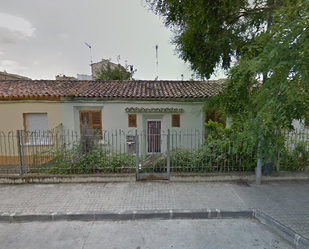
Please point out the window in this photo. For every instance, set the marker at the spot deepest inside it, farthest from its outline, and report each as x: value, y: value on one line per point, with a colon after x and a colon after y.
x: 92, y: 118
x: 36, y: 127
x: 132, y: 120
x: 214, y: 116
x: 175, y: 120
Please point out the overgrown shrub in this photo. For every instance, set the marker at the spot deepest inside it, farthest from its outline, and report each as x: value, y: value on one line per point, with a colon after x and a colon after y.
x: 89, y: 138
x: 296, y: 158
x: 72, y: 160
x: 222, y: 150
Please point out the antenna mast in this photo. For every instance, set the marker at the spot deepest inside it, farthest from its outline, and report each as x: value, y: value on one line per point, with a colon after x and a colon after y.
x: 157, y: 63
x: 90, y: 52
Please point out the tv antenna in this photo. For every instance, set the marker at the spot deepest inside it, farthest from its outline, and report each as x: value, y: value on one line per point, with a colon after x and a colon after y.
x: 157, y: 60
x: 90, y: 52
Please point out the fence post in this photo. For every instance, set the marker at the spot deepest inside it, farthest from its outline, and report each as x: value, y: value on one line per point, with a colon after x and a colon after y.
x: 258, y: 169
x: 137, y: 153
x: 278, y: 153
x: 168, y: 154
x: 18, y: 134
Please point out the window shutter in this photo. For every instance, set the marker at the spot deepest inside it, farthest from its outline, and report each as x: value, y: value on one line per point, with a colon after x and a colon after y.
x: 220, y: 119
x: 132, y: 120
x: 214, y: 116
x: 37, y: 127
x: 36, y: 122
x: 175, y: 120
x: 210, y: 115
x: 84, y: 117
x: 92, y: 118
x: 96, y: 121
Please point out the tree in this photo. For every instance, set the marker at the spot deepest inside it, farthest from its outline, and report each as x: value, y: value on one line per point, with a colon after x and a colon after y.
x: 111, y: 71
x: 208, y: 33
x: 267, y: 87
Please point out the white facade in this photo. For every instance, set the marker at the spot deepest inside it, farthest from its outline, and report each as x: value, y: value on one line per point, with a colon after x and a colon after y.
x: 115, y: 121
x: 114, y: 115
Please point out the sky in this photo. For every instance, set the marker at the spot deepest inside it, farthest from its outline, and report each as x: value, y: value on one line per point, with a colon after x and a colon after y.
x: 40, y: 39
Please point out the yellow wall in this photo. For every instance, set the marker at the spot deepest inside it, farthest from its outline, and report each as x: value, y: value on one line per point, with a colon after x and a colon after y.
x: 31, y: 160
x: 11, y: 113
x: 11, y: 119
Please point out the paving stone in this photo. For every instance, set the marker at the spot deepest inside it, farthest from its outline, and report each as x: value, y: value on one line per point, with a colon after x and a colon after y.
x: 285, y: 201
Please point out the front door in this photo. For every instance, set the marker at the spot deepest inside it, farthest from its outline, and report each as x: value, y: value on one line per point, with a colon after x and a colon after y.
x: 155, y: 165
x: 154, y: 135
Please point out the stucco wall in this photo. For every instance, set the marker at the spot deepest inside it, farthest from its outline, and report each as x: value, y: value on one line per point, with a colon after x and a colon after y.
x: 114, y: 115
x: 11, y: 113
x: 115, y: 118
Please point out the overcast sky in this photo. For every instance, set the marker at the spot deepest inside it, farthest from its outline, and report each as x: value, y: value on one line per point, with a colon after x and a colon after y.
x: 42, y: 38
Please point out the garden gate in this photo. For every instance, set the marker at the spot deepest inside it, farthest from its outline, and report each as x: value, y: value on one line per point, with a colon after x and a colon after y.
x: 153, y: 150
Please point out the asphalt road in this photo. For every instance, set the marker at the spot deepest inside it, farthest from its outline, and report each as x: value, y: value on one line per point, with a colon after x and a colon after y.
x: 142, y: 234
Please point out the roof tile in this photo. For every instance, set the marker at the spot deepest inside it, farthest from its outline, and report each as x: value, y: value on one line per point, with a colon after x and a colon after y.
x: 109, y: 89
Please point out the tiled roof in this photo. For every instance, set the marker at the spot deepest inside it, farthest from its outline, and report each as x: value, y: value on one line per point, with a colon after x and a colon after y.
x: 108, y: 89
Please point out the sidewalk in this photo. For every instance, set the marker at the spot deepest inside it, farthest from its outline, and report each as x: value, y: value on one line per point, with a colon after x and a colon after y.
x: 285, y: 202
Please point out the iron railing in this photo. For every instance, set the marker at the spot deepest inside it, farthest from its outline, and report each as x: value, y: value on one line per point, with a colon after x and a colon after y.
x: 60, y: 151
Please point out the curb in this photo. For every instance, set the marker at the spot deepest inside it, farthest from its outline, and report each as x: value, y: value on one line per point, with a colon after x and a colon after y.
x: 131, y: 177
x: 54, y: 179
x: 282, y: 230
x: 277, y: 227
x: 129, y: 215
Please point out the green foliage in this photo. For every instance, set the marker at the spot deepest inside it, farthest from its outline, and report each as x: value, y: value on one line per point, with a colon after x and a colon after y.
x: 223, y: 150
x: 208, y: 33
x: 98, y: 160
x: 294, y: 155
x: 215, y: 130
x: 268, y: 85
x: 113, y: 72
x: 231, y: 150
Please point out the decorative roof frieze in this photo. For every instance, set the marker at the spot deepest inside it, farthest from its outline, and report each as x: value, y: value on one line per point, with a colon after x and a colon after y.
x: 153, y: 110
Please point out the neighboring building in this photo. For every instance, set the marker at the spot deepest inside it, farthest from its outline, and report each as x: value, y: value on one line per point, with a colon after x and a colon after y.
x: 84, y: 77
x: 9, y: 76
x: 127, y: 106
x: 98, y: 65
x: 63, y: 77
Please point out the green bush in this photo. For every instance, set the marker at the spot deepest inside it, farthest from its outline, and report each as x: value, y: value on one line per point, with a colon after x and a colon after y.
x: 294, y: 158
x: 222, y: 150
x: 98, y: 160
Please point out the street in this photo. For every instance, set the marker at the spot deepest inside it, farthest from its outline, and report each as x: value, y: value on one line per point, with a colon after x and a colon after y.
x: 215, y: 233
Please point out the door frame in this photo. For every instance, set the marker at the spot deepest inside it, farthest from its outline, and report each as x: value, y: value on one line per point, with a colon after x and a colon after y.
x: 153, y: 175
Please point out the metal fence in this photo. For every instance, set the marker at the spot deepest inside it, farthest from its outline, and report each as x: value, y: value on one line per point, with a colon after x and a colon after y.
x: 60, y: 151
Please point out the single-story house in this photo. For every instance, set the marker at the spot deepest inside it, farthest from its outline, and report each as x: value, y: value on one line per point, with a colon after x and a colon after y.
x: 125, y: 105
x: 129, y: 106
